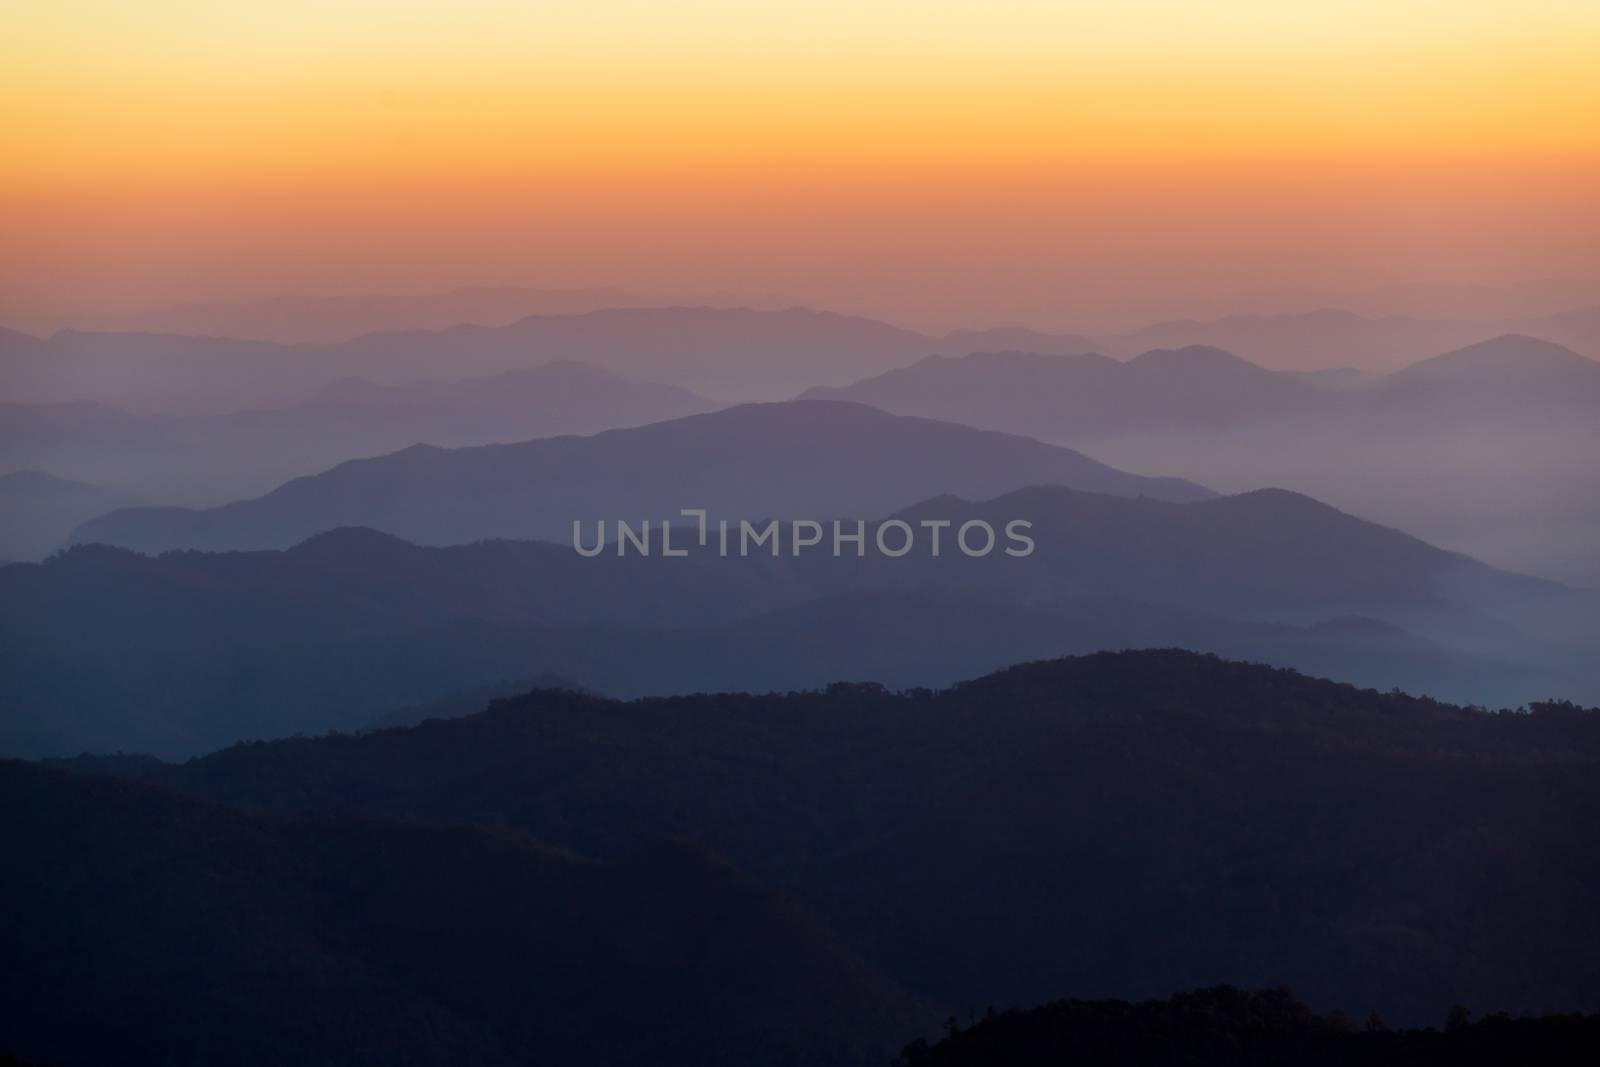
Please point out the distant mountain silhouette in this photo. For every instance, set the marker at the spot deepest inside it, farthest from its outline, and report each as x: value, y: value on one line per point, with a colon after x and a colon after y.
x: 160, y: 373
x: 560, y: 395
x: 190, y: 932
x: 1114, y: 825
x: 182, y: 653
x: 726, y: 353
x: 1512, y: 361
x: 39, y: 511
x: 1541, y: 297
x: 210, y: 459
x: 1578, y: 328
x: 1487, y: 449
x: 1075, y: 396
x: 15, y: 341
x: 295, y: 318
x: 810, y: 459
x: 1265, y: 550
x: 1331, y: 337
x: 723, y: 353
x: 290, y: 319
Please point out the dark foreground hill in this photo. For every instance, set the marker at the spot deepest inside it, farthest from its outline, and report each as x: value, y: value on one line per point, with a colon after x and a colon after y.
x: 1237, y: 1028
x: 141, y: 927
x: 1115, y: 825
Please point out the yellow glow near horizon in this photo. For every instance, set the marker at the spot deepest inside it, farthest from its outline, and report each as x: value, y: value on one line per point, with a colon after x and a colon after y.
x: 173, y: 148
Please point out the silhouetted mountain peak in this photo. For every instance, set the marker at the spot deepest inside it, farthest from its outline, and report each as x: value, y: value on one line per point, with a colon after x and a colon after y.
x: 1284, y: 506
x: 1286, y: 500
x: 1509, y: 357
x: 351, y: 543
x: 422, y: 448
x: 818, y: 416
x: 1206, y: 358
x: 797, y: 411
x: 962, y: 372
x: 792, y: 459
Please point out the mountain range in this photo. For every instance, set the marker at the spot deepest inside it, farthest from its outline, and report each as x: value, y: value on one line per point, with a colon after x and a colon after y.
x: 1113, y: 825
x: 1484, y: 449
x: 300, y: 318
x: 728, y: 354
x: 1489, y: 449
x: 1330, y: 337
x: 1060, y: 396
x: 808, y: 459
x: 723, y: 353
x: 1085, y: 397
x: 211, y: 459
x: 182, y: 653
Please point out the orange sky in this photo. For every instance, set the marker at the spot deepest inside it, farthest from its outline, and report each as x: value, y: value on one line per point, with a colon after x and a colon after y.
x: 932, y: 161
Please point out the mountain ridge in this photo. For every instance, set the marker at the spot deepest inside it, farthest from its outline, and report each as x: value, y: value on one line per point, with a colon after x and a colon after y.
x: 352, y: 623
x: 206, y: 460
x: 802, y: 459
x: 1166, y: 774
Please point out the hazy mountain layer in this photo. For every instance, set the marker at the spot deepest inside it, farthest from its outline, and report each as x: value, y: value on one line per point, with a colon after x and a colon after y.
x: 39, y: 511
x: 189, y: 651
x: 727, y: 353
x: 1490, y: 449
x: 205, y: 460
x: 724, y: 353
x: 1329, y: 337
x: 1083, y: 397
x: 815, y: 460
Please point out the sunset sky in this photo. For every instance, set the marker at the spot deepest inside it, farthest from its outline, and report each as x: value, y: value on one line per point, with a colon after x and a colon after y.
x: 934, y: 162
